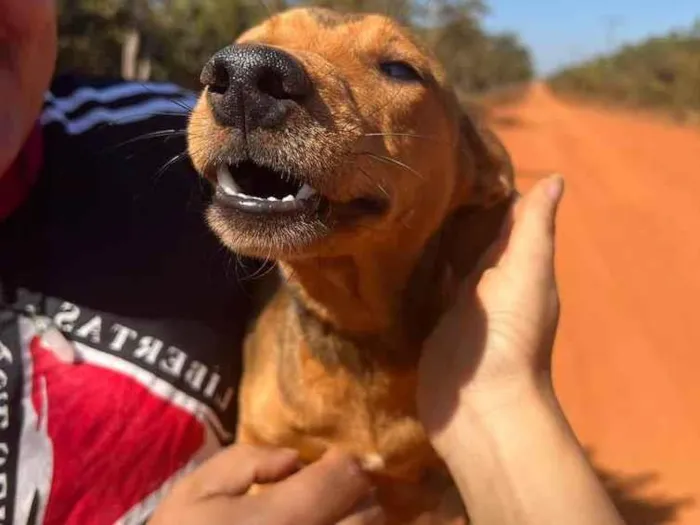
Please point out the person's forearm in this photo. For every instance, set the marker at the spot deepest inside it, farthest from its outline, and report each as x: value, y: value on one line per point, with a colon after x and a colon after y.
x: 521, y: 464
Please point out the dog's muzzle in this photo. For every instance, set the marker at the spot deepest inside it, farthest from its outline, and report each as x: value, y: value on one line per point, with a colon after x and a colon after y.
x: 251, y: 86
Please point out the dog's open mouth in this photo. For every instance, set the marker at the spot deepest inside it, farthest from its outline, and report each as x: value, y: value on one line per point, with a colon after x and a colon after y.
x: 252, y: 188
x: 258, y: 210
x: 258, y: 189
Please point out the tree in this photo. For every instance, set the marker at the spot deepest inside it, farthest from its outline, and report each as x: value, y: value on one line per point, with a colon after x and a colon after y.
x: 191, y: 30
x: 90, y: 36
x: 136, y: 57
x: 475, y: 61
x: 173, y: 39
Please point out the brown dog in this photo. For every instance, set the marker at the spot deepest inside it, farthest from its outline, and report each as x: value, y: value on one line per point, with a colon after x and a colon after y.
x: 338, y: 150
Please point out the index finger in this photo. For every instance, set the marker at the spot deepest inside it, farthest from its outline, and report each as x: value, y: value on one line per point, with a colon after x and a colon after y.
x: 321, y: 494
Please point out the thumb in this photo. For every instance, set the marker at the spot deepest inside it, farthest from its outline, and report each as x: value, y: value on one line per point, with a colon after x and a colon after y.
x: 321, y: 494
x: 531, y: 244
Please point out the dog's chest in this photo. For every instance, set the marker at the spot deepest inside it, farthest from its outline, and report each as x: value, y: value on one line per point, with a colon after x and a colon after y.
x: 307, y: 388
x: 312, y: 399
x: 315, y: 413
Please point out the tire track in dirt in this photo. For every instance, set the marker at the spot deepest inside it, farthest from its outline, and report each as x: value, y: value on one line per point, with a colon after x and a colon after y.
x: 627, y: 361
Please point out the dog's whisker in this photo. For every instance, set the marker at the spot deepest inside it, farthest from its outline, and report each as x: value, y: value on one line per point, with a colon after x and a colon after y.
x: 378, y: 108
x: 268, y: 265
x: 372, y: 181
x: 241, y: 267
x: 372, y: 112
x: 177, y: 158
x: 239, y: 263
x: 181, y: 103
x: 231, y: 263
x: 165, y: 114
x: 391, y: 160
x: 271, y: 268
x: 119, y: 122
x: 167, y: 133
x: 409, y: 135
x: 416, y: 136
x: 175, y: 100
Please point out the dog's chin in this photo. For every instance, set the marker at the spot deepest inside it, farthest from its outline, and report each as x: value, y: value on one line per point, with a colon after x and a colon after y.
x: 260, y: 212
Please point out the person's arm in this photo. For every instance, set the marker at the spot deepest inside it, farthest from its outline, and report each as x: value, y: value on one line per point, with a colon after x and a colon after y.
x: 521, y: 464
x: 492, y: 414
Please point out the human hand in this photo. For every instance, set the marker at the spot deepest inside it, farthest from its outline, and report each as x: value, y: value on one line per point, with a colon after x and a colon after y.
x: 496, y: 342
x: 324, y: 493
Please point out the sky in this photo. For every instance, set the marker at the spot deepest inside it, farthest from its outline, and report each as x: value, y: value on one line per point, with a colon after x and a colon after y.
x: 563, y: 31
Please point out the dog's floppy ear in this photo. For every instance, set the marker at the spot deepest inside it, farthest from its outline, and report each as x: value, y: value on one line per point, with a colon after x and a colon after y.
x: 485, y: 162
x: 479, y: 215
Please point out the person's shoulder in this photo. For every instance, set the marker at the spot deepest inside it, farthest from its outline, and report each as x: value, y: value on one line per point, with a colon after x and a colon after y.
x: 120, y: 148
x: 78, y: 105
x: 114, y: 128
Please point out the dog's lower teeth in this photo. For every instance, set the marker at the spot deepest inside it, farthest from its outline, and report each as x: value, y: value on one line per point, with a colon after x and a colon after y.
x: 228, y: 185
x: 305, y: 192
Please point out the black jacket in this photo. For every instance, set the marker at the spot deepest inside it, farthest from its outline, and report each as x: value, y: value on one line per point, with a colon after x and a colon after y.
x: 111, y: 248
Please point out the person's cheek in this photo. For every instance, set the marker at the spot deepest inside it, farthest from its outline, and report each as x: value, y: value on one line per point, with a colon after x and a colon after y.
x: 38, y: 45
x: 19, y: 18
x: 28, y: 32
x: 27, y: 57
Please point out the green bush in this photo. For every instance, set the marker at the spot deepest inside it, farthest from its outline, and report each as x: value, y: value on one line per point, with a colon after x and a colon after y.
x: 661, y: 72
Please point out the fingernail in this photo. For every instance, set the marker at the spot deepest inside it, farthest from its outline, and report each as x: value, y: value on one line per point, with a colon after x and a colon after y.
x: 555, y: 187
x: 372, y: 463
x: 352, y: 464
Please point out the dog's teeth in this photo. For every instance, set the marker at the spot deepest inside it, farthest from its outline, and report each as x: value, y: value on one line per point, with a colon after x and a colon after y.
x: 305, y: 192
x: 288, y: 198
x: 225, y: 180
x: 273, y: 199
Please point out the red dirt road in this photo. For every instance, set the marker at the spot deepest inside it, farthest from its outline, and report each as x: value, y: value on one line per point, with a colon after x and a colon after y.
x: 627, y: 361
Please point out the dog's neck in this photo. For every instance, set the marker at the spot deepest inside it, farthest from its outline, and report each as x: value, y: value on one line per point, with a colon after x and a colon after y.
x: 356, y: 294
x: 383, y: 302
x: 390, y: 297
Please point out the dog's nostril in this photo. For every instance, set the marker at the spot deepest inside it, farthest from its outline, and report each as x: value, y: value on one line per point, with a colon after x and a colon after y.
x: 271, y: 83
x: 215, y: 76
x: 221, y: 83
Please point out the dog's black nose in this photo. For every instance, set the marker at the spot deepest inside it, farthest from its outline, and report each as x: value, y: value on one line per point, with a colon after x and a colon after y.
x: 254, y: 86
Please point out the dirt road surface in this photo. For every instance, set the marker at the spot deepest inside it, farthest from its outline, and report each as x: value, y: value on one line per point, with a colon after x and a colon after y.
x: 627, y: 362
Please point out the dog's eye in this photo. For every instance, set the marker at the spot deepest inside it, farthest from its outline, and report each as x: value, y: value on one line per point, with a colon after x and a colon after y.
x: 400, y: 71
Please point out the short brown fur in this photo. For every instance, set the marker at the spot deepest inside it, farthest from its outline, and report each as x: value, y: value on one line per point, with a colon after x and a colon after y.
x: 332, y: 359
